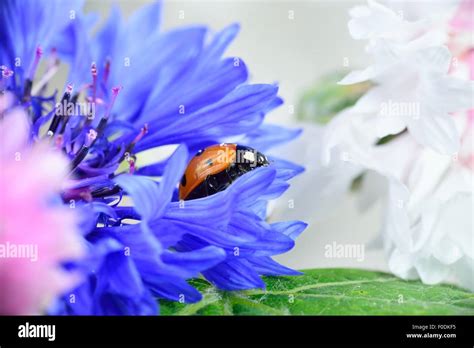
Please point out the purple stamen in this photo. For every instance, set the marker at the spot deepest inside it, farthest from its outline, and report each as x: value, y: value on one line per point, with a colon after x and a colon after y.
x: 6, y: 73
x: 94, y: 81
x: 131, y: 163
x: 106, y: 70
x: 140, y: 135
x: 34, y: 65
x: 115, y: 92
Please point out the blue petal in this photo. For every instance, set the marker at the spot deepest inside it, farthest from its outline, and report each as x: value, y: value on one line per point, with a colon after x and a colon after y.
x: 235, y: 274
x: 260, y: 208
x: 195, y: 261
x: 285, y: 169
x: 149, y: 199
x: 143, y: 23
x: 127, y: 283
x: 254, y: 182
x: 106, y: 38
x: 113, y: 288
x: 144, y: 193
x: 237, y: 113
x: 269, y: 135
x: 28, y: 23
x: 275, y: 190
x: 260, y: 239
x: 73, y: 46
x: 269, y: 267
x: 192, y: 95
x: 151, y: 70
x: 196, y: 82
x: 219, y: 44
x: 120, y: 289
x: 175, y: 290
x: 291, y: 229
x: 172, y: 174
x: 208, y: 218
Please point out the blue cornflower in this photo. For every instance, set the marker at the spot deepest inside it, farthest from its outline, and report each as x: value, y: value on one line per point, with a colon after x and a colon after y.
x: 177, y: 90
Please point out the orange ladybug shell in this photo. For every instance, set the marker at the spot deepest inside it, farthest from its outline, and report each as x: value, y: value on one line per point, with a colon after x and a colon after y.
x: 212, y: 160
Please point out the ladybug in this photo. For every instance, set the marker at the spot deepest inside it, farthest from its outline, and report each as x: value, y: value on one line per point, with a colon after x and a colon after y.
x: 214, y: 168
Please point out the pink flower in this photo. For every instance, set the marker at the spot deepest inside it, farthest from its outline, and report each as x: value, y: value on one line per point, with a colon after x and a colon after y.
x: 463, y: 19
x: 36, y: 233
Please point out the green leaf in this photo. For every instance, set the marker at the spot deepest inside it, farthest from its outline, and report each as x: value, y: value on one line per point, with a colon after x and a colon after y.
x: 327, y: 98
x: 330, y: 292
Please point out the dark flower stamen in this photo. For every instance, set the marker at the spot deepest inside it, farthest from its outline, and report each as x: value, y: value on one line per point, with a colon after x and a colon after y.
x: 82, y: 153
x: 59, y: 111
x: 66, y: 118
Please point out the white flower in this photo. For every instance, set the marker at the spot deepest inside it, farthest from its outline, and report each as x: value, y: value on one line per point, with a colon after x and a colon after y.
x: 428, y: 230
x: 411, y: 68
x: 391, y: 38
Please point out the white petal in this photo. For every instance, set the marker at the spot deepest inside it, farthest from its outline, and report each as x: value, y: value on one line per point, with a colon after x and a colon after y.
x: 463, y: 272
x: 437, y: 132
x: 374, y: 21
x: 371, y: 101
x: 336, y: 131
x: 455, y: 221
x: 448, y: 94
x: 426, y: 173
x: 357, y: 76
x: 431, y: 271
x: 447, y: 252
x: 390, y: 125
x: 398, y: 221
x: 14, y: 130
x: 401, y: 265
x: 435, y: 59
x: 374, y: 187
x: 430, y: 39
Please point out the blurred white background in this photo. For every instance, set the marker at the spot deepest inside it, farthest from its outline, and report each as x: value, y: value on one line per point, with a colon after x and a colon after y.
x: 292, y: 43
